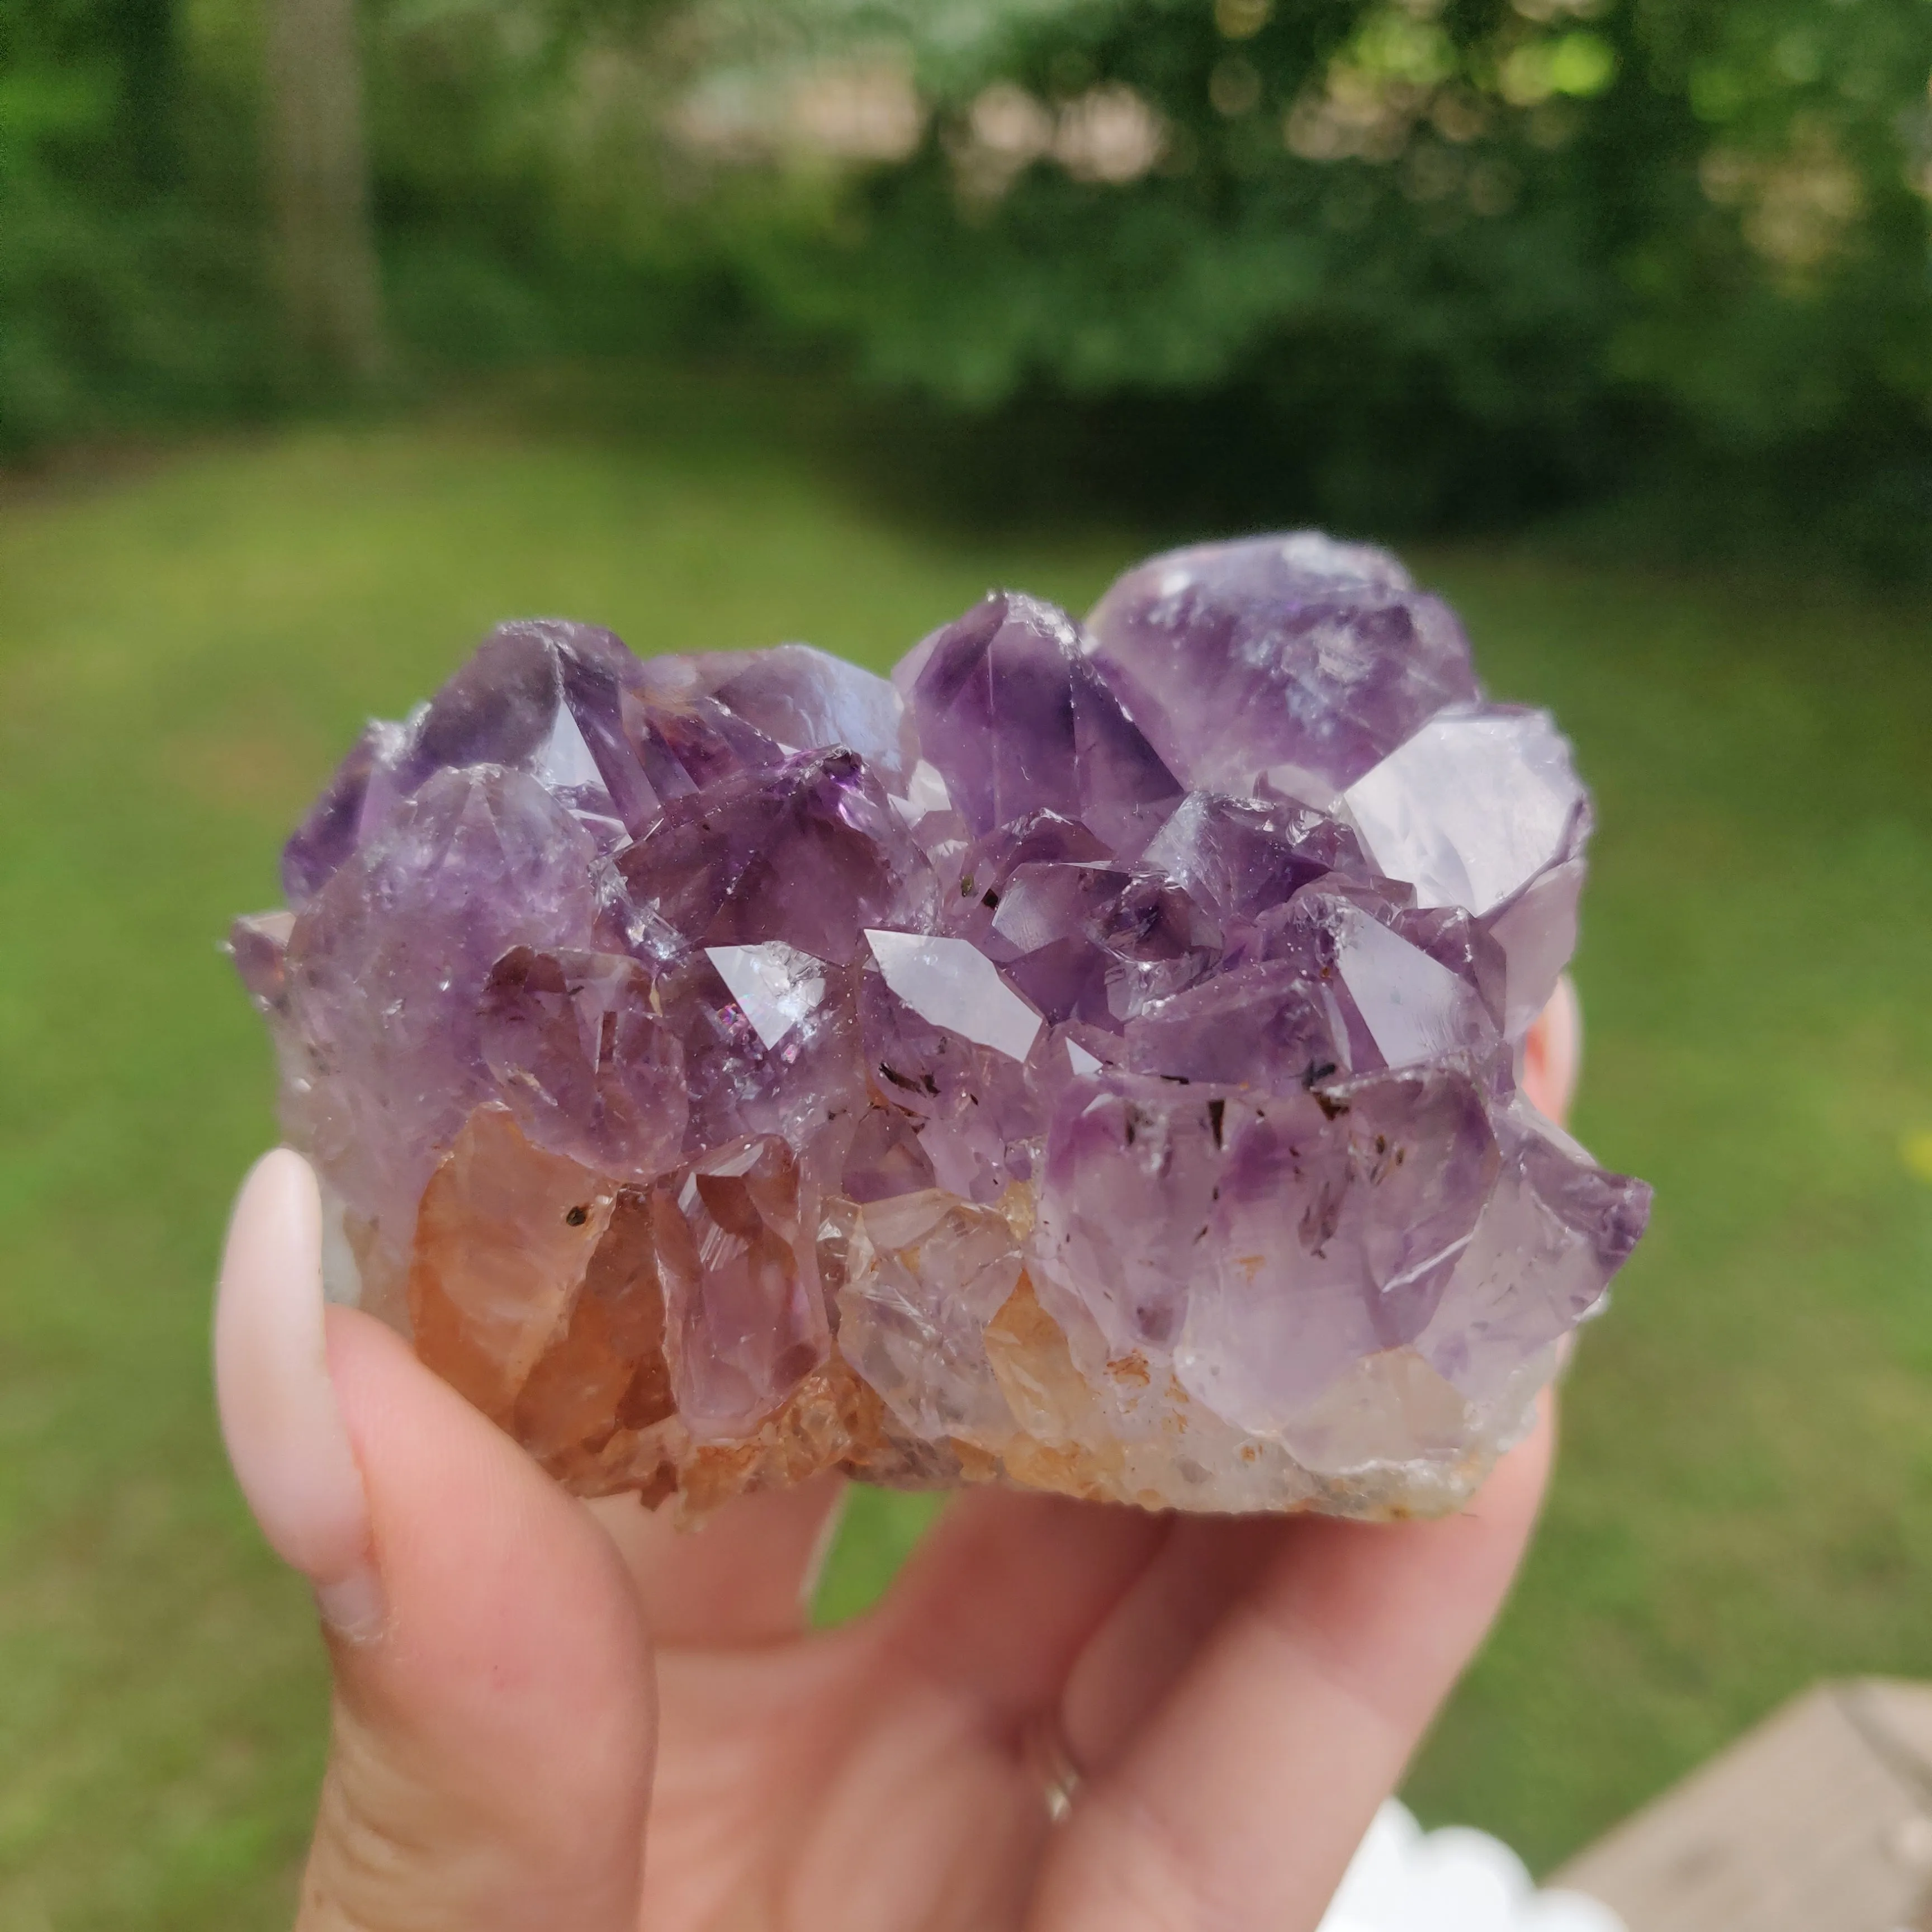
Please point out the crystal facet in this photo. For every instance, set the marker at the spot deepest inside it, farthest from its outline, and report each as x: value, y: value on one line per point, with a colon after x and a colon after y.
x: 951, y: 983
x: 1471, y: 808
x: 1086, y: 1061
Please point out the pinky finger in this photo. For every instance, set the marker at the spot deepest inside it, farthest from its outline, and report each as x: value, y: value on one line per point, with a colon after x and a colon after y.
x: 1241, y: 1799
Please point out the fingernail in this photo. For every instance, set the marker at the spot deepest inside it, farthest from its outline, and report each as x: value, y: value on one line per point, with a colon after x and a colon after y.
x: 279, y: 1416
x: 353, y: 1607
x: 822, y: 1547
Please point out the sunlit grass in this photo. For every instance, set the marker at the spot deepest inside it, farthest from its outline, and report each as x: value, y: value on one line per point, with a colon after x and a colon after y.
x: 1747, y: 1497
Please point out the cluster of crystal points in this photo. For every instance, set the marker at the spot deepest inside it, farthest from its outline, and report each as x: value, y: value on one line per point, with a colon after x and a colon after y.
x: 1087, y: 1060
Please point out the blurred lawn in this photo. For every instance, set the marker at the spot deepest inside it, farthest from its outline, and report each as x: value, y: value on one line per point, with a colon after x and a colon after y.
x: 1746, y: 1502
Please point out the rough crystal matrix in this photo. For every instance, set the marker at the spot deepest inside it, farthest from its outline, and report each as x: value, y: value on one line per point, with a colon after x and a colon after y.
x: 1087, y: 1060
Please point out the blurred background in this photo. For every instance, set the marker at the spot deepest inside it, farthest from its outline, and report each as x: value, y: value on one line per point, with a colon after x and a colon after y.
x: 330, y: 333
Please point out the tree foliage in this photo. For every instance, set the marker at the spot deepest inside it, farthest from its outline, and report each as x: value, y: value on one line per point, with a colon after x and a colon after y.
x: 1460, y: 253
x: 1401, y: 262
x: 124, y: 223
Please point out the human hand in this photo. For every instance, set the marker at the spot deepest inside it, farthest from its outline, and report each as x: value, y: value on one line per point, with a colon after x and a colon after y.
x: 524, y: 1682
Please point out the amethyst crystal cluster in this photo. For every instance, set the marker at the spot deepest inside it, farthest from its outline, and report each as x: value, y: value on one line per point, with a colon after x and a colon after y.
x: 1087, y: 1060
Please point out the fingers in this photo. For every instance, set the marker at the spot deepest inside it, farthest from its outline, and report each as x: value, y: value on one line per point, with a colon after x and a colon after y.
x: 1007, y: 1592
x: 1552, y: 1054
x: 493, y: 1723
x: 1245, y: 1741
x: 746, y: 1576
x: 1139, y: 1653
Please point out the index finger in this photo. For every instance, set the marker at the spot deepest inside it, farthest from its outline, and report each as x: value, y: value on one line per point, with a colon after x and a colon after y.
x: 744, y: 1576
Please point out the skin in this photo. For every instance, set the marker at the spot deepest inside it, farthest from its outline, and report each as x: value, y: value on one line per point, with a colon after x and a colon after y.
x: 552, y: 1714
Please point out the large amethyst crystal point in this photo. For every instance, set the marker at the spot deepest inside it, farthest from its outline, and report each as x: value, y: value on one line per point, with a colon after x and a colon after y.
x: 1016, y: 720
x: 1087, y: 1060
x: 1294, y: 662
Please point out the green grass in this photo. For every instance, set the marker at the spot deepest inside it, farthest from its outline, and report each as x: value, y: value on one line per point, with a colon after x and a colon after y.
x: 1746, y: 1498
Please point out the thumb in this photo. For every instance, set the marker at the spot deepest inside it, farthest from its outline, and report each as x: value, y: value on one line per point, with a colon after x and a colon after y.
x: 494, y: 1721
x: 1552, y: 1054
